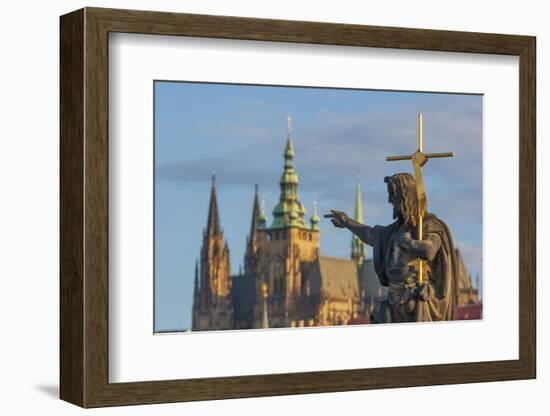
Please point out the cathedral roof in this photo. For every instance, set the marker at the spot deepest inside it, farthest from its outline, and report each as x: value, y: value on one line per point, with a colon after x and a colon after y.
x: 368, y: 278
x: 464, y: 281
x: 332, y: 277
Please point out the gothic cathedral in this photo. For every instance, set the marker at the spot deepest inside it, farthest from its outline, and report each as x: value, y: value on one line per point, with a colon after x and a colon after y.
x: 285, y: 281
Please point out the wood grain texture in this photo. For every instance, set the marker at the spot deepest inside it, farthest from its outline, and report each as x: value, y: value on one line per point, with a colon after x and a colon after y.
x: 72, y: 215
x: 84, y: 206
x: 527, y: 207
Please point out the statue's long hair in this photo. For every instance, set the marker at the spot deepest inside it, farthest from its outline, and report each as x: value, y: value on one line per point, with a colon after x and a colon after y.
x: 402, y: 190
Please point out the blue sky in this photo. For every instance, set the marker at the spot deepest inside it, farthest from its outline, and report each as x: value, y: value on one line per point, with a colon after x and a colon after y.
x: 239, y: 131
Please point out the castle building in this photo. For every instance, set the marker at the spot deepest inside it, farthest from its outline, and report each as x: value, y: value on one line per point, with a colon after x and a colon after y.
x: 286, y: 282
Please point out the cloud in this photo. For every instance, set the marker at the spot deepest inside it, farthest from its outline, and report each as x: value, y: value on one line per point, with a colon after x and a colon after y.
x: 245, y: 146
x: 231, y: 172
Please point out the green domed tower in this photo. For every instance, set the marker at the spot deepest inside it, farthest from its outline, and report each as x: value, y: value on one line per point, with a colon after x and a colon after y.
x: 285, y: 249
x: 289, y: 212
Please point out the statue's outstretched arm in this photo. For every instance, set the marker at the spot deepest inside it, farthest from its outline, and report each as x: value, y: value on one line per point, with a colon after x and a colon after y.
x: 364, y: 232
x: 341, y: 220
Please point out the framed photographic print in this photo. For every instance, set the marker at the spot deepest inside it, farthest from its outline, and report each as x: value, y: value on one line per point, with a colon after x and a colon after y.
x: 255, y: 207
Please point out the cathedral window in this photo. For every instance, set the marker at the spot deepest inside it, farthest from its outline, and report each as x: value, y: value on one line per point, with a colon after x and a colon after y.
x: 276, y: 285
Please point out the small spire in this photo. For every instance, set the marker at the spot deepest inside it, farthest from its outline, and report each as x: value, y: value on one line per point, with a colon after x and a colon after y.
x: 357, y: 246
x: 289, y: 149
x: 314, y: 217
x: 255, y: 215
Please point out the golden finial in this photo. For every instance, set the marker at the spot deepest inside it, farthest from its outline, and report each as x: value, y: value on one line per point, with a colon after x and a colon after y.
x: 265, y: 290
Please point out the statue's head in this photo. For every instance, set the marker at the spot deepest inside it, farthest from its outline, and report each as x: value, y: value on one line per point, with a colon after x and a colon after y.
x: 402, y: 195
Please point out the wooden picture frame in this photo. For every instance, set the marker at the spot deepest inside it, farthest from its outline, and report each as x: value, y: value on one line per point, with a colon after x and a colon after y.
x: 84, y: 207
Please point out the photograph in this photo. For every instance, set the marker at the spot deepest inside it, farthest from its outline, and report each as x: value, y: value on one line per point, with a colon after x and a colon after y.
x: 256, y: 204
x: 293, y: 207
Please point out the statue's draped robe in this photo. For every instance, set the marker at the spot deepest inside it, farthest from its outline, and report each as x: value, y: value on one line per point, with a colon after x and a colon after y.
x: 441, y: 304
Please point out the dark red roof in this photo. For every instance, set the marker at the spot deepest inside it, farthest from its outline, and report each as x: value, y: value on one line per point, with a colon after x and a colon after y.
x: 359, y: 321
x: 471, y: 311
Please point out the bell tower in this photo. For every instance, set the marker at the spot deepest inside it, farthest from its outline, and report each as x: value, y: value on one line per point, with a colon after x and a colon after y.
x: 284, y: 249
x: 212, y: 307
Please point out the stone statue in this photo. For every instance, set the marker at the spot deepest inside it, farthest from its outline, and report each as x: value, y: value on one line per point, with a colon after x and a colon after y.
x: 413, y: 296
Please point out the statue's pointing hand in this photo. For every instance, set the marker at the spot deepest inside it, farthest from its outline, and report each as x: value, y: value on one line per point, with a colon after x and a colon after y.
x: 338, y: 218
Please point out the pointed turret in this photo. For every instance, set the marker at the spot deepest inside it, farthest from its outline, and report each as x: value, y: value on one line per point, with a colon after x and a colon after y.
x: 314, y: 217
x: 255, y: 216
x: 213, y: 223
x: 289, y: 212
x: 357, y: 246
x: 250, y: 257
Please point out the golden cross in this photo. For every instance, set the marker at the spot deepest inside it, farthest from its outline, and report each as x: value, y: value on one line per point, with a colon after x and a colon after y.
x: 419, y: 159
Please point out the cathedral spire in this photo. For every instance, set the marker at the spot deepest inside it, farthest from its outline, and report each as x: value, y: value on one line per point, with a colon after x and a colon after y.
x: 357, y: 246
x: 213, y: 306
x: 250, y: 257
x: 289, y: 212
x: 213, y: 224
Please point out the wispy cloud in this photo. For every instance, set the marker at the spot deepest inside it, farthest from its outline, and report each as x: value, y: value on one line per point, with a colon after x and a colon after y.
x: 337, y: 145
